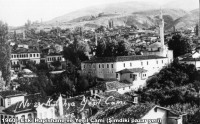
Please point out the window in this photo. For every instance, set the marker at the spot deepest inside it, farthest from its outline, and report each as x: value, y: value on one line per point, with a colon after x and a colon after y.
x: 33, y: 55
x: 147, y: 62
x: 30, y: 116
x: 141, y: 63
x: 112, y: 65
x: 102, y: 65
x: 162, y: 61
x: 83, y: 66
x: 124, y: 65
x: 130, y: 64
x: 99, y: 66
x: 1, y: 119
x: 9, y: 101
x: 116, y: 75
x: 1, y: 101
x: 107, y: 65
x: 23, y: 117
x: 30, y: 55
x: 37, y: 55
x: 157, y: 62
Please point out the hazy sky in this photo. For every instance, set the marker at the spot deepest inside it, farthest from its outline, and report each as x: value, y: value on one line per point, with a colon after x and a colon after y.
x: 17, y: 12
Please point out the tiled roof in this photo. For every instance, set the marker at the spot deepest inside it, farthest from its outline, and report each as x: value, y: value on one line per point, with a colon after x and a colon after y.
x: 190, y: 59
x: 133, y: 70
x: 11, y: 93
x: 112, y: 85
x: 122, y: 58
x: 116, y: 85
x: 23, y: 50
x: 127, y: 110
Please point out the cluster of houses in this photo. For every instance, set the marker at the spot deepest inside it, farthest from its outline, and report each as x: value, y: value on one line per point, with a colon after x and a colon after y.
x: 115, y: 77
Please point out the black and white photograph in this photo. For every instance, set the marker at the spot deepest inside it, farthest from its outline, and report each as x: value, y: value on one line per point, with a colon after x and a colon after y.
x: 99, y: 61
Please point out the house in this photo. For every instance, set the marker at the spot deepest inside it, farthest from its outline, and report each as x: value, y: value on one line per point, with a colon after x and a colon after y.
x: 191, y: 58
x: 21, y: 56
x: 52, y: 57
x: 22, y: 106
x: 142, y: 113
x: 193, y: 61
x: 136, y: 76
x: 9, y: 97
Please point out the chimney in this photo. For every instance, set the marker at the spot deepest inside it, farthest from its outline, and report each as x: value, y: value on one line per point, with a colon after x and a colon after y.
x: 60, y: 104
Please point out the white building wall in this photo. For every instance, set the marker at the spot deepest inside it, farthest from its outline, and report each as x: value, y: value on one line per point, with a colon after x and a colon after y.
x: 13, y: 100
x: 151, y: 65
x: 15, y: 58
x: 43, y: 112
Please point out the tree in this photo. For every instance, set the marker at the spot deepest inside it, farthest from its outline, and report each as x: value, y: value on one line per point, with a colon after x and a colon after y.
x: 101, y: 46
x: 5, y: 53
x: 123, y: 48
x: 180, y: 45
x: 76, y: 52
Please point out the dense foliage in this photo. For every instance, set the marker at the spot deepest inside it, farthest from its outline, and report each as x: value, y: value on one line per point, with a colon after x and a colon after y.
x: 108, y: 47
x: 180, y: 45
x: 173, y: 84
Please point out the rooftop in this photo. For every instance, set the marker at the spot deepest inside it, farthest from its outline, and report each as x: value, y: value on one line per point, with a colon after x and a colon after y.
x: 123, y: 58
x: 133, y: 70
x: 11, y: 93
x: 190, y: 59
x: 111, y: 85
x: 23, y: 50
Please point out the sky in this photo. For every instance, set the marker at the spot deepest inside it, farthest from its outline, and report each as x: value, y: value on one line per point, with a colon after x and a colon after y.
x: 17, y: 12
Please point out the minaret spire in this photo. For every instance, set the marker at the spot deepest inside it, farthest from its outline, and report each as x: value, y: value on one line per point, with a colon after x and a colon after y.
x: 199, y: 23
x: 161, y: 25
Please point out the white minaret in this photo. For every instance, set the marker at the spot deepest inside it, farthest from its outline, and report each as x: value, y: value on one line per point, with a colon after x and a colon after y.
x: 199, y: 23
x: 60, y: 104
x: 96, y: 43
x: 161, y: 26
x: 24, y: 34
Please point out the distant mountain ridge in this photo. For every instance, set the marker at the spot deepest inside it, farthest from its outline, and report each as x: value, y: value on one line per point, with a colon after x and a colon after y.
x: 188, y: 20
x: 140, y: 14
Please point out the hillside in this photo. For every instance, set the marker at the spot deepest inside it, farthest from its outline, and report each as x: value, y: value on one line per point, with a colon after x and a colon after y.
x: 187, y: 21
x: 117, y: 8
x: 141, y: 19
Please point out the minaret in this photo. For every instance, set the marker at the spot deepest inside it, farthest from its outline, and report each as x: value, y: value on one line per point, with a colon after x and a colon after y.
x: 161, y: 26
x: 60, y: 104
x: 96, y: 43
x: 199, y: 24
x: 24, y: 34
